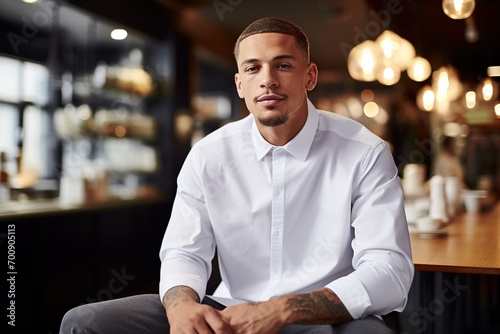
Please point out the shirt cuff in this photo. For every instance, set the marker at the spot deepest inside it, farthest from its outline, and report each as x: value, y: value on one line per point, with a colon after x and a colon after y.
x: 193, y: 281
x: 353, y: 295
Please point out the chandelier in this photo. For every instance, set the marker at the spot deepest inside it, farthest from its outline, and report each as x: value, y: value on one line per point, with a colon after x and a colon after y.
x: 384, y: 60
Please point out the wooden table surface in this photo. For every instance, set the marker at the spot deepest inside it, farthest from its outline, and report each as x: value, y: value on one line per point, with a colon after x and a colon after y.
x: 471, y: 245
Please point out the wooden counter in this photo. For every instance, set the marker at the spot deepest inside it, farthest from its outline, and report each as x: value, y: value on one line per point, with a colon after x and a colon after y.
x: 470, y: 246
x: 50, y: 207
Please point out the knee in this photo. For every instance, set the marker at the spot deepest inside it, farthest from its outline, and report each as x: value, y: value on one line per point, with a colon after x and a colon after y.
x: 76, y: 320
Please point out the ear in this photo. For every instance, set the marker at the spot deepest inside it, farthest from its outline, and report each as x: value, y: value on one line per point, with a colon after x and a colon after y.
x: 312, y: 76
x: 237, y: 82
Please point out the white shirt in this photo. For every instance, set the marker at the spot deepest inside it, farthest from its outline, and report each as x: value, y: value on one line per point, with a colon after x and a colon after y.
x: 324, y: 210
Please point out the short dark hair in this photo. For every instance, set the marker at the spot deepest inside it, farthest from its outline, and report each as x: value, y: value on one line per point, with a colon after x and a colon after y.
x: 275, y: 25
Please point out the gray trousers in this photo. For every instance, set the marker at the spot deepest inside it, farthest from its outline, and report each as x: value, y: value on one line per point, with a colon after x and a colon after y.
x: 143, y: 314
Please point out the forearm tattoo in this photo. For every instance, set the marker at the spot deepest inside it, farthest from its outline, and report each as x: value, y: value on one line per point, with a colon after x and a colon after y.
x: 178, y: 295
x: 319, y: 307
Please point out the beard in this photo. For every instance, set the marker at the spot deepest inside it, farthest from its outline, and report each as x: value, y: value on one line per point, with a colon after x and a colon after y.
x: 273, y: 121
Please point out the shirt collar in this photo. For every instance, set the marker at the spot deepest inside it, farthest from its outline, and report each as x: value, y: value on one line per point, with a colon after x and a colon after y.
x: 299, y: 146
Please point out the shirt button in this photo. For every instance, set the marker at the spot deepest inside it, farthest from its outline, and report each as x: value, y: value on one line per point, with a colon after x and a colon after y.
x: 276, y: 192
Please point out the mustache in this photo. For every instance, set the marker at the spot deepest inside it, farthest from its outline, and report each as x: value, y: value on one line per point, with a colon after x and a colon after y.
x: 270, y: 94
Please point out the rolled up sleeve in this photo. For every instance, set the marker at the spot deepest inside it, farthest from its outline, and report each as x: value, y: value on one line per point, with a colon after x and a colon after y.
x: 188, y: 245
x: 381, y: 244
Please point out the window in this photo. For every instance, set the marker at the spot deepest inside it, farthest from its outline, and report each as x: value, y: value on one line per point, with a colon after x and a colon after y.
x: 9, y: 84
x: 24, y: 122
x: 9, y: 134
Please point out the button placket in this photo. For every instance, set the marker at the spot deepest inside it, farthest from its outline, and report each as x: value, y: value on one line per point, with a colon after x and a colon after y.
x: 277, y: 218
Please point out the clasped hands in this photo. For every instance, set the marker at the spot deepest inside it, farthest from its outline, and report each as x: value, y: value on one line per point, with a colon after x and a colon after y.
x: 192, y: 317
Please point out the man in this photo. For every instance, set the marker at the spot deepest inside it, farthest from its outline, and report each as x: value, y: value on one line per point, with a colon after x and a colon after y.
x: 304, y: 207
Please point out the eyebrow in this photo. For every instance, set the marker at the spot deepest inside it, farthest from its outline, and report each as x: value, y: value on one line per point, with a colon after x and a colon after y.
x: 280, y: 57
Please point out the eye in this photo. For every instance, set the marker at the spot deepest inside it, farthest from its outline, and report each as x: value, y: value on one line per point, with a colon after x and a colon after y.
x: 284, y: 66
x: 251, y: 69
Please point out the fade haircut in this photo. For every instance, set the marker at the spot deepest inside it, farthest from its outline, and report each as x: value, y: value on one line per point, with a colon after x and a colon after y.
x: 275, y: 25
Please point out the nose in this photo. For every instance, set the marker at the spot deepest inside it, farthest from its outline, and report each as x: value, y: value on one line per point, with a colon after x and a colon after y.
x: 268, y: 79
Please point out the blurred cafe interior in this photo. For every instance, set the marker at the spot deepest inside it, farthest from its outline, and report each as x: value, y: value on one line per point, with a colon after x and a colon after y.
x: 100, y: 101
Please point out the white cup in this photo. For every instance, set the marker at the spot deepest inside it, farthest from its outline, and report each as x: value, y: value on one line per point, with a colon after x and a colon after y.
x: 472, y: 200
x: 428, y: 224
x: 471, y: 203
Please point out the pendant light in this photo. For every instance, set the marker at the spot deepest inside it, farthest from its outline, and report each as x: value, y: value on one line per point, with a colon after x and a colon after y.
x: 388, y: 74
x: 426, y: 98
x: 497, y: 110
x: 389, y: 42
x: 383, y: 59
x: 419, y: 69
x: 446, y: 83
x: 397, y: 50
x: 487, y: 90
x: 459, y: 9
x: 470, y: 99
x: 362, y: 61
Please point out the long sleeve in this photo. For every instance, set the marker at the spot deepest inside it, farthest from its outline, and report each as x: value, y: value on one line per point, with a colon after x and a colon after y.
x: 188, y: 245
x: 382, y: 253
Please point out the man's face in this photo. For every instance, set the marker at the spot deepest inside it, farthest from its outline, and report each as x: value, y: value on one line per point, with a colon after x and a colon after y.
x: 273, y: 77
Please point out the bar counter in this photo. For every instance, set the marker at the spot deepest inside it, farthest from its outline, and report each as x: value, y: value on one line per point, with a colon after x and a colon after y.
x: 13, y: 210
x: 471, y: 245
x: 457, y: 277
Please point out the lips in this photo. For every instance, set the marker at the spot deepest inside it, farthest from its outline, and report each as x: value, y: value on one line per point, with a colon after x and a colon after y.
x: 270, y: 100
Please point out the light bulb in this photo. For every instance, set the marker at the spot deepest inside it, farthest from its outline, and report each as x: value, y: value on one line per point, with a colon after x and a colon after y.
x: 458, y: 9
x: 419, y: 69
x: 470, y: 99
x: 396, y: 49
x: 446, y: 84
x: 119, y: 34
x: 371, y: 109
x: 362, y: 61
x: 388, y: 74
x: 426, y: 98
x: 389, y: 42
x: 487, y: 89
x: 497, y: 110
x: 441, y: 83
